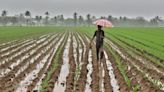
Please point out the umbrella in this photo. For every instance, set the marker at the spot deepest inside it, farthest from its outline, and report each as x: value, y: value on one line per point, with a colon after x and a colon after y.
x: 104, y: 23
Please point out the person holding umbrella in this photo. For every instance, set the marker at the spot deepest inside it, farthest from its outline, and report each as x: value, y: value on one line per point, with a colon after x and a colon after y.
x: 99, y: 34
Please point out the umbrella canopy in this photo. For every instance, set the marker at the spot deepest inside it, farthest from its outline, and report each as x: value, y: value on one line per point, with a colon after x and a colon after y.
x: 104, y: 23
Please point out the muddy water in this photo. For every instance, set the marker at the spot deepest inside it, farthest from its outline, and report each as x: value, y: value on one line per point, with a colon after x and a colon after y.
x: 78, y: 65
x: 3, y: 72
x: 38, y: 85
x: 90, y: 70
x: 80, y: 55
x: 113, y: 80
x: 17, y: 62
x: 101, y: 76
x: 159, y: 83
x: 60, y: 85
x: 23, y: 84
x: 32, y: 75
x: 6, y: 48
x: 24, y: 43
x: 83, y: 44
x: 12, y: 56
x: 147, y: 64
x: 19, y: 53
x: 74, y: 50
x: 8, y: 43
x: 11, y: 51
x: 81, y: 50
x: 27, y: 64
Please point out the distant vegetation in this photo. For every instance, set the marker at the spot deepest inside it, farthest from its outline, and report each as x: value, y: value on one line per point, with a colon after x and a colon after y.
x: 26, y: 19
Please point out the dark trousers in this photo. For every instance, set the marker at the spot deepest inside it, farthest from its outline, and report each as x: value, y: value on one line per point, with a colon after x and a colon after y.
x: 98, y: 51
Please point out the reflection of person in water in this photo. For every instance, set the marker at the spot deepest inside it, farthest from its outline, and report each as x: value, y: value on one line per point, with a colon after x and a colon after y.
x: 99, y: 33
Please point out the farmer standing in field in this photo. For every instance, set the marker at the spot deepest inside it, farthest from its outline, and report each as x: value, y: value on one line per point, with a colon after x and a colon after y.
x: 99, y: 33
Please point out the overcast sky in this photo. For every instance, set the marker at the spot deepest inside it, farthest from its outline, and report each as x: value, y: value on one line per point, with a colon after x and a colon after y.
x: 131, y: 8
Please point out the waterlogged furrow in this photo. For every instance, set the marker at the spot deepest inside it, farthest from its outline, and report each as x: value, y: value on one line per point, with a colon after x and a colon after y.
x: 23, y: 84
x: 113, y: 80
x: 41, y: 73
x: 3, y: 45
x: 50, y: 80
x: 23, y: 65
x: 18, y: 44
x: 16, y: 49
x: 12, y: 47
x: 32, y: 75
x: 39, y: 55
x: 60, y: 85
x: 82, y: 51
x: 72, y: 69
x: 148, y: 64
x: 101, y: 76
x: 79, y: 84
x: 19, y: 53
x: 95, y: 73
x: 74, y: 50
x: 38, y: 85
x: 154, y: 81
x: 32, y: 59
x: 90, y: 70
x: 26, y: 56
x: 78, y: 60
x: 8, y: 59
x: 101, y: 72
x: 84, y: 45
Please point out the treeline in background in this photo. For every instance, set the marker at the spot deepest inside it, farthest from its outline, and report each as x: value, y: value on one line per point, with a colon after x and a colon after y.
x: 26, y: 19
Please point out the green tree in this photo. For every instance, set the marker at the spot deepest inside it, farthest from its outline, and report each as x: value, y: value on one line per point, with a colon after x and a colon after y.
x: 28, y: 17
x: 140, y: 21
x: 14, y: 20
x: 155, y: 21
x: 62, y: 18
x: 4, y: 17
x: 81, y: 20
x: 38, y: 19
x: 4, y: 13
x: 75, y: 18
x: 47, y: 17
x: 125, y: 18
x: 110, y: 18
x: 55, y: 20
x: 88, y: 19
x: 93, y: 18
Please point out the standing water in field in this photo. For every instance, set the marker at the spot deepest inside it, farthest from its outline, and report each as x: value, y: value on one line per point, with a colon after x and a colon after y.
x: 113, y: 80
x: 60, y: 85
x: 90, y: 70
x: 74, y: 49
x: 101, y: 76
x: 81, y: 49
x: 33, y: 74
x: 23, y: 84
x: 38, y: 85
x: 146, y: 75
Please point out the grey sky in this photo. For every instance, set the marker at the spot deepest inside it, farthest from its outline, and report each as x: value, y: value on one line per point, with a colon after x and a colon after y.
x: 131, y: 8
